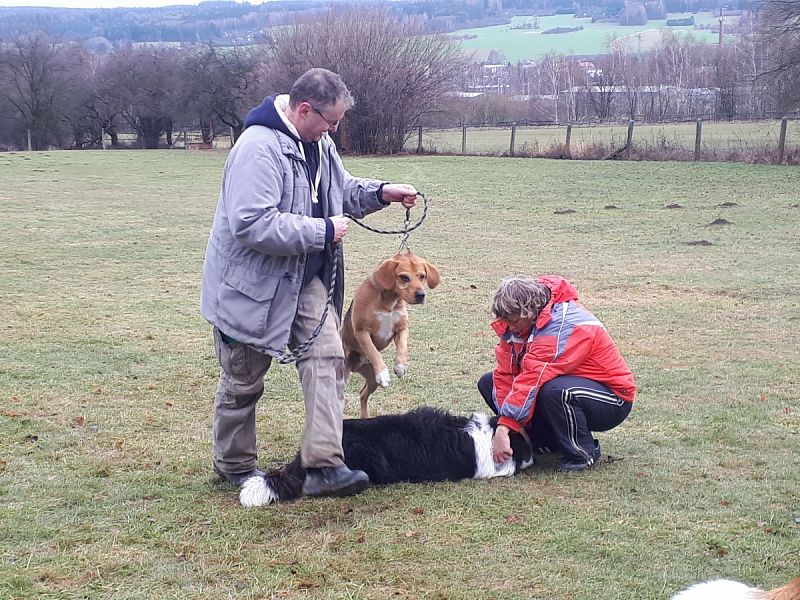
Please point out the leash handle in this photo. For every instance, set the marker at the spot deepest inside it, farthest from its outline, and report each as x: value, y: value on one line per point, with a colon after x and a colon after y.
x: 406, y: 228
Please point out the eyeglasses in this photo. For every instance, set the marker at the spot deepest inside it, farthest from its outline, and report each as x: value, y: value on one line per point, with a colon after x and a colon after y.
x: 331, y: 124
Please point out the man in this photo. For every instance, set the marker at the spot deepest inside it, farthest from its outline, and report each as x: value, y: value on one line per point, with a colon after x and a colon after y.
x: 268, y: 267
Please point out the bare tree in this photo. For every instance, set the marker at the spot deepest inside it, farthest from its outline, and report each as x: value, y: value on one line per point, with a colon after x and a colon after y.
x: 557, y: 76
x: 726, y: 81
x: 222, y: 84
x: 781, y: 36
x: 396, y: 70
x: 36, y: 80
x: 143, y: 85
x: 749, y: 60
x: 550, y: 70
x: 674, y: 66
x: 84, y: 116
x: 628, y: 65
x: 602, y: 85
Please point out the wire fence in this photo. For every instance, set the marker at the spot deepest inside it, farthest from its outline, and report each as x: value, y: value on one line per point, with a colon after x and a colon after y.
x: 775, y: 141
x: 772, y: 141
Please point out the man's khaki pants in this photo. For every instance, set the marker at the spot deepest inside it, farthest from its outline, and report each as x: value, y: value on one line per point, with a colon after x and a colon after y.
x: 241, y: 384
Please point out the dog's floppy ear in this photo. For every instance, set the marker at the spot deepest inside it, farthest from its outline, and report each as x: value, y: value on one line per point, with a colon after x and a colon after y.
x: 384, y: 274
x: 432, y: 274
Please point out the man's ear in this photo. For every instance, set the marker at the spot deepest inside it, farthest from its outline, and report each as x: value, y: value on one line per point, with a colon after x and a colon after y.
x: 384, y: 274
x: 304, y: 109
x: 431, y: 274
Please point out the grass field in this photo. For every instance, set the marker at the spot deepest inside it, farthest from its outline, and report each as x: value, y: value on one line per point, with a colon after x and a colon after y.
x: 739, y: 137
x: 530, y: 44
x: 107, y: 378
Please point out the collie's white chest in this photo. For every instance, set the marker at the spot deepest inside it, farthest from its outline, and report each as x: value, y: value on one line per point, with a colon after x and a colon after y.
x: 386, y: 322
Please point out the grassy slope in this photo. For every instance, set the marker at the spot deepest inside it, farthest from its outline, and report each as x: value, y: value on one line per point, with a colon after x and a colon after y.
x: 108, y: 375
x: 522, y: 44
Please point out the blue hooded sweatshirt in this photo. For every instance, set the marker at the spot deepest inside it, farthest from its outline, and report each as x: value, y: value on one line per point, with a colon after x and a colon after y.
x: 267, y: 115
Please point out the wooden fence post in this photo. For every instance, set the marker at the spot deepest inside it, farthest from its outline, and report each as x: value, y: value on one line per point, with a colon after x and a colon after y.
x: 513, y: 137
x: 569, y: 137
x: 30, y: 147
x: 230, y: 129
x: 698, y: 138
x: 185, y: 140
x: 629, y: 139
x: 782, y: 141
x: 419, y: 139
x: 102, y: 138
x: 463, y: 139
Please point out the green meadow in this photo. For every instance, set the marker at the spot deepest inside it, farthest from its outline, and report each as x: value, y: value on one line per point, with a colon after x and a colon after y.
x: 108, y: 374
x: 530, y: 44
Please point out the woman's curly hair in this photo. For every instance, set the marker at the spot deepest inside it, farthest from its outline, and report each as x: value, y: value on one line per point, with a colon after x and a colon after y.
x: 518, y: 297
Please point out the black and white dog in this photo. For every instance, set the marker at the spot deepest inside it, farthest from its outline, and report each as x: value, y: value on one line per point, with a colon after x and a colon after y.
x: 425, y: 444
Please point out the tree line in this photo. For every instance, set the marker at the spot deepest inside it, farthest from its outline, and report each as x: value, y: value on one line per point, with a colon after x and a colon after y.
x: 751, y: 77
x: 56, y: 94
x: 64, y: 96
x: 754, y: 73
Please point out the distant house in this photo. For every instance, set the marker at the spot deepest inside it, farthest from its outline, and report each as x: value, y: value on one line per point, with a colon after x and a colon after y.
x: 488, y: 77
x: 467, y: 95
x: 157, y: 44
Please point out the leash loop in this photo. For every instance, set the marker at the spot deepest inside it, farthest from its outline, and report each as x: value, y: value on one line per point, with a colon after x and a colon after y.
x: 407, y: 227
x: 293, y: 355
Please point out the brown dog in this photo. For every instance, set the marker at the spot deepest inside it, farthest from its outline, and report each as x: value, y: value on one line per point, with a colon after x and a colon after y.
x: 378, y: 315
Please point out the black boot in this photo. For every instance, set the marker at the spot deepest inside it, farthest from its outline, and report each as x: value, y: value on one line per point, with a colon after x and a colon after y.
x: 334, y: 481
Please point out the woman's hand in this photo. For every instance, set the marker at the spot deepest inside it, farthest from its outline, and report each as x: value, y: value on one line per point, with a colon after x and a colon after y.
x: 501, y: 445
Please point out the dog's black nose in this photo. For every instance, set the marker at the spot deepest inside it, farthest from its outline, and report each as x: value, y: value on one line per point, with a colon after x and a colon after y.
x: 420, y: 296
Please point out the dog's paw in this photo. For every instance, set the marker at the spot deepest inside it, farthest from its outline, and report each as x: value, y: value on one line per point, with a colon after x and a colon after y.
x: 400, y: 369
x: 383, y: 378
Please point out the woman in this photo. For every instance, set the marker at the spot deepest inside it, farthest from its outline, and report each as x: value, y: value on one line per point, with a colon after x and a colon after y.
x: 559, y: 374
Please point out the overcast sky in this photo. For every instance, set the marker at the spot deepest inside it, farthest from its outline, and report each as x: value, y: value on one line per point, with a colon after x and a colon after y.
x: 101, y: 3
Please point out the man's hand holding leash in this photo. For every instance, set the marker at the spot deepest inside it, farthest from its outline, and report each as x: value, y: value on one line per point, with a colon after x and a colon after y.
x: 404, y: 193
x: 400, y: 192
x: 340, y: 225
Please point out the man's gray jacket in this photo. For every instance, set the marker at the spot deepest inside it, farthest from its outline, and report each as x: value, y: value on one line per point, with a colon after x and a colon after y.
x: 263, y: 229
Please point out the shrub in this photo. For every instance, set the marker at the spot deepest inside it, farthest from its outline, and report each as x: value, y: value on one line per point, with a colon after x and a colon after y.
x: 563, y: 29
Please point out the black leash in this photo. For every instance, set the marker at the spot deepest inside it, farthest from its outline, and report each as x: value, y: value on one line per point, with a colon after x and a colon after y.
x: 407, y: 227
x: 290, y: 356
